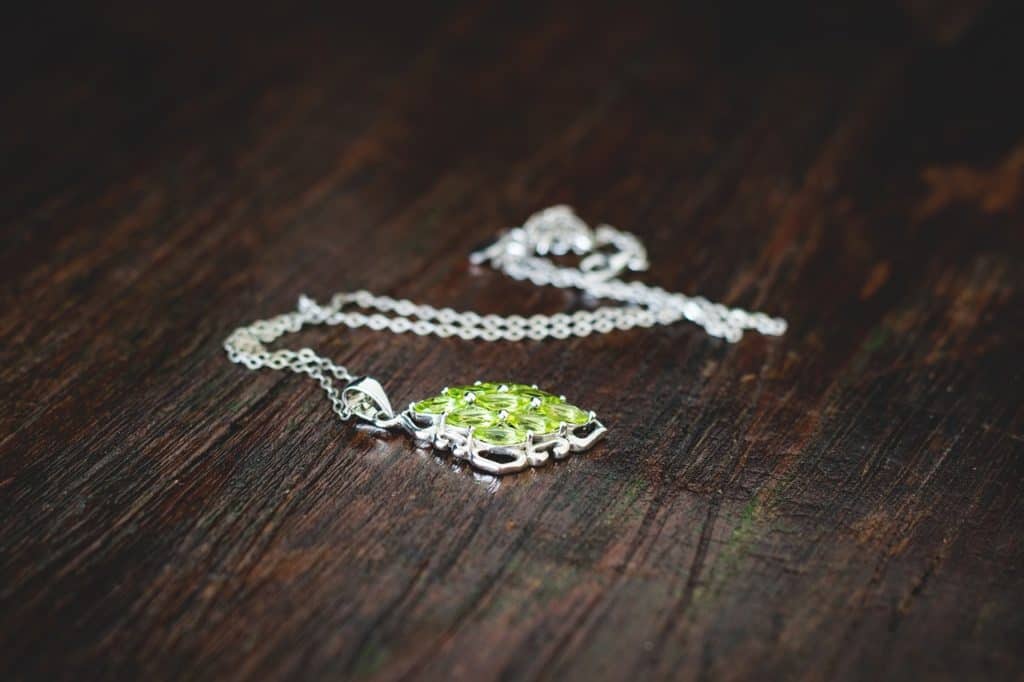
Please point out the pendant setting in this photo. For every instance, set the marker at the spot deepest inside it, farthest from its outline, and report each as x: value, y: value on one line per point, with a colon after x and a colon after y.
x: 497, y: 427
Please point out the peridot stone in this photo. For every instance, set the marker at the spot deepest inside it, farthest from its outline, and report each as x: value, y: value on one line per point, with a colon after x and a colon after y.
x: 502, y: 413
x: 456, y: 392
x: 500, y: 434
x: 498, y: 401
x: 531, y: 392
x: 491, y: 387
x: 471, y: 415
x: 534, y: 421
x: 564, y: 412
x: 436, y: 405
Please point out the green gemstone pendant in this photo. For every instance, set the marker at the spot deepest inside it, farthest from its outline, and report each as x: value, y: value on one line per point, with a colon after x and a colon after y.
x: 497, y: 427
x: 501, y: 427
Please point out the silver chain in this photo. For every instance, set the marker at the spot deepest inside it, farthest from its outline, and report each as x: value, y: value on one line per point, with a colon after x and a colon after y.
x: 523, y: 253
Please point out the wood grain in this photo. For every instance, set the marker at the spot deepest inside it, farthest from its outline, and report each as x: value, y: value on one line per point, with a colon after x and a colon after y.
x: 841, y: 503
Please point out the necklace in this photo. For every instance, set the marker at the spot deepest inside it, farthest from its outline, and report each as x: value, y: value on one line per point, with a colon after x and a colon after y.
x: 498, y: 427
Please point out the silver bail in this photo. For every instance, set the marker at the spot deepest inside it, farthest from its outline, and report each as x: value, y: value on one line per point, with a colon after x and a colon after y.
x: 366, y: 399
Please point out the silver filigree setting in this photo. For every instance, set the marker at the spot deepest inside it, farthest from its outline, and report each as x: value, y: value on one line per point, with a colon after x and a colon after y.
x: 534, y: 451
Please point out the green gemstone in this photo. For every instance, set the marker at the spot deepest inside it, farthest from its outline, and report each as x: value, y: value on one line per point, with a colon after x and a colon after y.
x: 492, y: 386
x: 472, y: 415
x: 436, y: 405
x: 497, y: 402
x: 531, y: 392
x: 534, y: 421
x: 500, y: 434
x: 564, y: 412
x: 483, y: 405
x: 456, y: 392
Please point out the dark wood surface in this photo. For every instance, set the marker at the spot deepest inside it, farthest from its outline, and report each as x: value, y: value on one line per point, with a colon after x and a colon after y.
x: 841, y: 503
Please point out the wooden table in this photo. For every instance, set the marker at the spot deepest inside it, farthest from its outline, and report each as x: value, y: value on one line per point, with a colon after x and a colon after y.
x: 841, y: 503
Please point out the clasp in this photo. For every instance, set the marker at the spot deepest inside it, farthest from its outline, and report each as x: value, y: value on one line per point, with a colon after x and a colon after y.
x: 605, y: 252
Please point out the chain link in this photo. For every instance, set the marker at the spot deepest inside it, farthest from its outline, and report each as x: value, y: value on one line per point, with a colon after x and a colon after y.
x: 522, y: 253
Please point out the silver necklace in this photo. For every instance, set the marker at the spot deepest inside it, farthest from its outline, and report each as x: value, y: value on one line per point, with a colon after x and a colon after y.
x: 498, y: 427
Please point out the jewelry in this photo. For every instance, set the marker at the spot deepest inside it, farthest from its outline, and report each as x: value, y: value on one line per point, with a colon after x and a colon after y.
x: 498, y: 427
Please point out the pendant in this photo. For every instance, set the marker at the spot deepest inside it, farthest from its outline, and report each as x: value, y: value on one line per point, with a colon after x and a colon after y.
x: 497, y: 427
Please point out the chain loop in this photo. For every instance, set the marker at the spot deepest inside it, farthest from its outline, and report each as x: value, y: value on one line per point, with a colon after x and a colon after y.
x: 523, y: 254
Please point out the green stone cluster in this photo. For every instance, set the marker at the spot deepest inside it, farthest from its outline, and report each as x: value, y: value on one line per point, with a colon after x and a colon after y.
x: 502, y: 413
